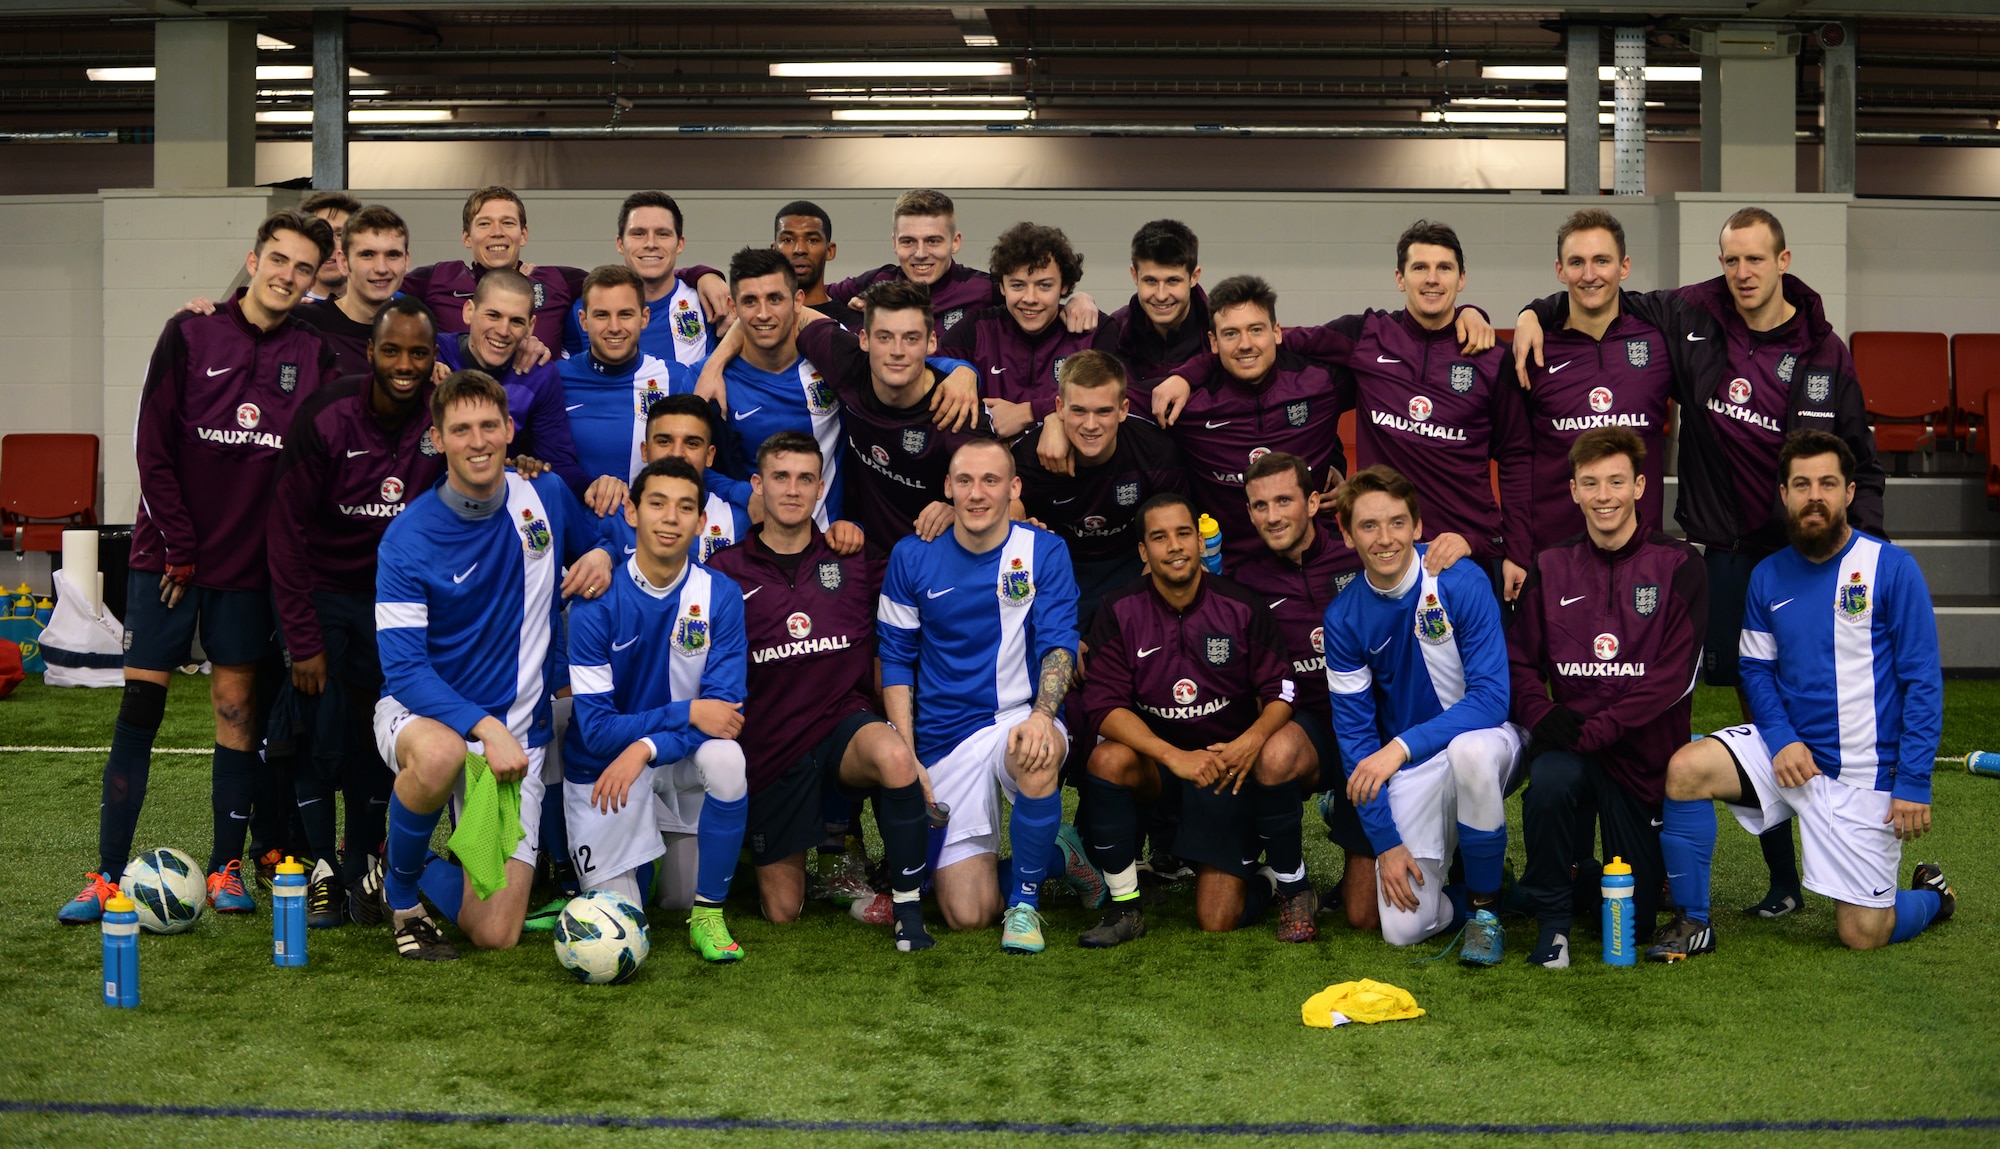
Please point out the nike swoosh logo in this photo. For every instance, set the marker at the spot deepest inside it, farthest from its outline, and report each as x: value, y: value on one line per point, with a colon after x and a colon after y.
x: 351, y: 454
x: 1578, y: 598
x: 1063, y: 502
x: 307, y: 801
x: 1275, y: 603
x: 239, y: 817
x: 1693, y: 338
x: 997, y: 370
x: 468, y: 573
x: 1386, y: 359
x: 463, y: 294
x: 1560, y: 366
x: 1883, y: 890
x: 572, y: 406
x: 750, y: 412
x: 622, y: 645
x: 939, y: 593
x: 753, y: 590
x: 1097, y: 847
x: 1657, y: 823
x: 631, y: 550
x: 1148, y: 652
x: 1212, y: 425
x: 212, y: 372
x: 1385, y: 642
x: 908, y: 870
x: 1776, y: 605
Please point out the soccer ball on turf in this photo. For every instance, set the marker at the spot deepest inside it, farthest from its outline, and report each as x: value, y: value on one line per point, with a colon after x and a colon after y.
x: 168, y: 889
x: 601, y: 938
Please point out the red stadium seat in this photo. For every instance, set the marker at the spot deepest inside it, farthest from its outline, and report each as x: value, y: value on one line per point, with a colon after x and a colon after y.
x: 1975, y: 369
x: 1504, y: 334
x: 47, y: 483
x: 1906, y: 384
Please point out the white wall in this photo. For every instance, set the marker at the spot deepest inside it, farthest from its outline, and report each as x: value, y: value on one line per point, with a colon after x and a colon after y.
x: 1923, y: 265
x: 51, y: 315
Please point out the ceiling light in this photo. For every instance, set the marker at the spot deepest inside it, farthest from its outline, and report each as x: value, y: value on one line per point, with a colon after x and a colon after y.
x: 1489, y: 117
x: 1504, y: 102
x: 269, y: 43
x: 934, y: 115
x: 364, y: 116
x: 264, y: 72
x: 1655, y: 73
x: 981, y: 40
x: 895, y: 69
x: 857, y: 98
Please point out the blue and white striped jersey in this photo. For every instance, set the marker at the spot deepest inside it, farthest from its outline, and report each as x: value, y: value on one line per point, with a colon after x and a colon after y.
x: 969, y: 632
x: 726, y: 525
x: 1842, y: 655
x: 676, y: 330
x: 763, y: 403
x: 607, y: 408
x: 1422, y: 663
x: 640, y: 654
x: 465, y: 610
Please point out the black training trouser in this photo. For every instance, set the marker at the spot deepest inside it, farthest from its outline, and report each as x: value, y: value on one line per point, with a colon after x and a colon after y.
x: 1565, y: 789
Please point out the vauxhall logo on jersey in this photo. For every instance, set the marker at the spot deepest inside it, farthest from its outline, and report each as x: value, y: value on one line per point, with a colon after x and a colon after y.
x: 1185, y: 692
x: 1461, y: 377
x: 1419, y: 421
x: 1646, y: 599
x: 1420, y: 408
x: 799, y: 624
x: 392, y: 490
x: 248, y: 416
x: 1600, y: 399
x: 1605, y: 647
x: 1739, y: 391
x: 1638, y: 352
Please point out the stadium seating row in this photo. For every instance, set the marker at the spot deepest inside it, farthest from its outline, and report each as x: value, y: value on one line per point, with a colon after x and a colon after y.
x: 1926, y: 390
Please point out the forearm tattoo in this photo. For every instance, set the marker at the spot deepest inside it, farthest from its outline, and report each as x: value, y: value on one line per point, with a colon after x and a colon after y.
x: 1057, y: 666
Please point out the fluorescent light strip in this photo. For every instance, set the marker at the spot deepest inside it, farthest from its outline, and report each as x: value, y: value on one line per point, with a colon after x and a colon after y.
x: 934, y: 115
x: 364, y: 116
x: 264, y: 72
x: 1452, y: 117
x: 1655, y: 73
x: 891, y: 69
x: 871, y: 99
x: 1509, y: 102
x: 268, y: 43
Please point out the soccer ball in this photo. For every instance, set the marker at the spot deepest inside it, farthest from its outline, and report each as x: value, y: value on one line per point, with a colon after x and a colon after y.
x: 168, y: 888
x: 602, y: 938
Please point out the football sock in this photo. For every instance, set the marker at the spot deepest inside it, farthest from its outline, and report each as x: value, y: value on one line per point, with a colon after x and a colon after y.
x: 125, y: 772
x: 554, y: 828
x: 899, y: 813
x: 1257, y: 892
x: 1279, y: 816
x: 718, y: 838
x: 643, y: 878
x: 1781, y: 857
x: 1032, y: 826
x: 367, y: 824
x: 1112, y: 813
x: 1123, y: 884
x: 1687, y: 844
x: 1461, y: 908
x: 443, y: 883
x: 909, y: 924
x: 1485, y: 853
x: 316, y: 812
x: 408, y: 847
x: 1914, y: 911
x: 233, y: 791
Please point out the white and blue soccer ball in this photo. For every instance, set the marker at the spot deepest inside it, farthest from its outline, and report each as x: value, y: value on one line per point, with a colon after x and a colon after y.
x: 168, y: 889
x: 602, y: 938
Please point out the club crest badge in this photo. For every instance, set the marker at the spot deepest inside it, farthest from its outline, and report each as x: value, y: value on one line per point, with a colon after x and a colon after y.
x: 1646, y: 599
x: 915, y: 441
x: 647, y: 396
x: 541, y: 296
x: 1605, y: 647
x: 1854, y: 603
x: 712, y: 542
x: 1819, y: 384
x: 1786, y: 365
x: 1638, y: 352
x: 820, y: 399
x: 392, y: 490
x: 1016, y: 584
x: 535, y: 534
x: 1296, y: 413
x: 829, y: 576
x: 687, y: 323
x: 1433, y: 624
x: 288, y: 377
x: 1127, y: 494
x: 1185, y: 692
x: 1461, y: 377
x: 1217, y: 649
x: 691, y: 632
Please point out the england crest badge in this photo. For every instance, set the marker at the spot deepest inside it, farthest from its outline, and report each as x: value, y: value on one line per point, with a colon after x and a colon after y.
x: 1296, y: 413
x: 1646, y: 599
x: 830, y: 577
x: 1786, y: 365
x: 288, y: 377
x: 1819, y: 384
x: 915, y: 441
x: 1217, y: 648
x: 1638, y: 352
x: 1127, y: 494
x: 1461, y: 377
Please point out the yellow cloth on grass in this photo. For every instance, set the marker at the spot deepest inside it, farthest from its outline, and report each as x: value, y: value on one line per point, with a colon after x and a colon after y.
x: 489, y: 827
x: 1364, y: 1001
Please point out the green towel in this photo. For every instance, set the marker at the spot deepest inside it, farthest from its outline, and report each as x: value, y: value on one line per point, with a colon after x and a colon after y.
x: 488, y: 828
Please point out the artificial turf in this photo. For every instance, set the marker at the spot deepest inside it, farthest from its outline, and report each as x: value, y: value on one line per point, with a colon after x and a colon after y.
x: 825, y: 1022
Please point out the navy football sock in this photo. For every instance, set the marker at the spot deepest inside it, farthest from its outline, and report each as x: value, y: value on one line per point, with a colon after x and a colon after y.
x: 1280, y: 828
x: 1687, y: 844
x: 126, y: 769
x: 900, y: 815
x: 233, y: 792
x: 1781, y: 858
x: 1112, y: 812
x: 316, y: 812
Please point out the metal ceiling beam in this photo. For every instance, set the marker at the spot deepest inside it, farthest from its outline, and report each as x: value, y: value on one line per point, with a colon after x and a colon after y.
x: 1705, y: 9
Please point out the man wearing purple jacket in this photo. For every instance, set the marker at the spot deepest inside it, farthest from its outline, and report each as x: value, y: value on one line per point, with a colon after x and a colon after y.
x: 358, y: 451
x: 498, y: 319
x: 1603, y: 652
x: 1019, y: 347
x: 1166, y: 322
x: 220, y: 393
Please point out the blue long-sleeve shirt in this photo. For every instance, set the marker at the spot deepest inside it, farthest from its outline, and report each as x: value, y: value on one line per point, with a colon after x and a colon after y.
x: 1422, y: 663
x: 465, y: 609
x: 607, y: 407
x: 1842, y: 655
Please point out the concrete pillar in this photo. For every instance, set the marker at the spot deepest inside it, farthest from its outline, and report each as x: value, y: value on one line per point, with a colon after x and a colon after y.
x: 1628, y: 146
x: 1837, y: 112
x: 204, y: 104
x: 329, y: 162
x: 1749, y: 83
x: 1580, y: 127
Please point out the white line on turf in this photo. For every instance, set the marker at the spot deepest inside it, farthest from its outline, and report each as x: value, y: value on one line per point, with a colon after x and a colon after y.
x: 96, y: 750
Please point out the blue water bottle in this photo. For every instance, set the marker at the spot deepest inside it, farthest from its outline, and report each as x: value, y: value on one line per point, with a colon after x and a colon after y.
x: 1983, y: 762
x: 288, y: 916
x: 1620, y: 943
x: 121, y: 953
x: 1211, y: 543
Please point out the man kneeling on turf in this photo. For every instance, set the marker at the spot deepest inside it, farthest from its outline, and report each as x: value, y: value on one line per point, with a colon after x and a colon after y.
x: 810, y: 613
x: 1422, y: 655
x: 466, y: 598
x: 1840, y: 663
x: 1189, y: 685
x: 657, y: 670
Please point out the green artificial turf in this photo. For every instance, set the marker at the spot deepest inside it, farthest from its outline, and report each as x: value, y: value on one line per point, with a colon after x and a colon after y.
x: 824, y: 1021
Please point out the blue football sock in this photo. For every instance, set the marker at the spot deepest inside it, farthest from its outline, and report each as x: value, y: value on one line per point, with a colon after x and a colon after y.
x: 409, y: 847
x: 718, y: 839
x: 1485, y: 853
x: 1687, y: 844
x: 644, y: 875
x: 444, y: 884
x: 1460, y: 901
x: 1032, y: 825
x: 1914, y: 911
